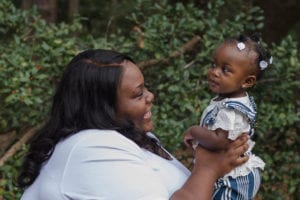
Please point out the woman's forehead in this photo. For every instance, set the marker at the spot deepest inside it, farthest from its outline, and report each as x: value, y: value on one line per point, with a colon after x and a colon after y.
x: 131, y: 76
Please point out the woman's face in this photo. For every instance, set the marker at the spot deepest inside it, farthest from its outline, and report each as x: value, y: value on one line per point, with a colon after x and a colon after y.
x: 134, y: 101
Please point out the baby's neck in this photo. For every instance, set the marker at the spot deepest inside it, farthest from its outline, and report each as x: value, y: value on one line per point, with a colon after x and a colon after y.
x: 231, y: 95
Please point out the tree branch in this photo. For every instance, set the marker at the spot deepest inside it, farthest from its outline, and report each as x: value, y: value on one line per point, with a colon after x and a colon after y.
x: 6, y: 139
x: 187, y: 46
x: 15, y: 147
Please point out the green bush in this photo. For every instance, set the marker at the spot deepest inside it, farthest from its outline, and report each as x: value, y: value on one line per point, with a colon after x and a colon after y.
x: 279, y: 122
x: 33, y: 55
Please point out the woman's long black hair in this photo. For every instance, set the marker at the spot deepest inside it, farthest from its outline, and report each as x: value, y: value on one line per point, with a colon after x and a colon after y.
x: 85, y: 99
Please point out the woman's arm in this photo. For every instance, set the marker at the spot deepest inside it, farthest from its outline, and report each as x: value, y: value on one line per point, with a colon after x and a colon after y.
x: 208, y: 167
x: 212, y: 140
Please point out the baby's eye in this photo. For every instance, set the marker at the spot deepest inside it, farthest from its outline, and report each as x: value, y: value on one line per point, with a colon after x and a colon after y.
x: 213, y: 65
x: 225, y: 69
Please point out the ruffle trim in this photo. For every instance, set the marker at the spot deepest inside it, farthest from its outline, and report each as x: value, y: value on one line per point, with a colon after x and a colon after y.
x: 243, y: 170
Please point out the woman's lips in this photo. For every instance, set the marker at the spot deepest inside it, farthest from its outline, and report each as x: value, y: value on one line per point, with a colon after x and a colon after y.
x: 148, y: 115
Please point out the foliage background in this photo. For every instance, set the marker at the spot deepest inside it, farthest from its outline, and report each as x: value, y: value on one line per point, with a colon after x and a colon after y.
x: 33, y: 54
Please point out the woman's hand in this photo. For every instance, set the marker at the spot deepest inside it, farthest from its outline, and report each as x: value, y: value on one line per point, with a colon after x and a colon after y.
x: 209, y: 166
x: 188, y: 138
x: 222, y: 162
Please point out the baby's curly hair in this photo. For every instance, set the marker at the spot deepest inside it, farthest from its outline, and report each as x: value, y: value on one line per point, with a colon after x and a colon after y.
x: 253, y: 43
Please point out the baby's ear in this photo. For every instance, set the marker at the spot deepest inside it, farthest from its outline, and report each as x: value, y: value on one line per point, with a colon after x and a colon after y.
x: 249, y: 82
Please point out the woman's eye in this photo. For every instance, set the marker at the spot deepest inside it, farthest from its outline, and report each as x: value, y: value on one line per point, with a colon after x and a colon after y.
x: 140, y: 94
x: 213, y: 65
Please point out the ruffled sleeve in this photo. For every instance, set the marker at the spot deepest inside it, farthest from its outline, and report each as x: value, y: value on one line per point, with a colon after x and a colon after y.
x: 231, y: 121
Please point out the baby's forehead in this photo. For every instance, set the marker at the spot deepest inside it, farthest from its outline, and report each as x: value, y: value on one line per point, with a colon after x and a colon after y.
x: 248, y: 49
x: 245, y: 46
x: 229, y: 52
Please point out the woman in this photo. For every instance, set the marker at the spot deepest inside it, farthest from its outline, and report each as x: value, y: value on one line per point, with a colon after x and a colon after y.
x: 97, y: 142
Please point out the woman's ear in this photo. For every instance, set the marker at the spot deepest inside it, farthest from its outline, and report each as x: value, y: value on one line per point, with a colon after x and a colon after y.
x: 249, y: 82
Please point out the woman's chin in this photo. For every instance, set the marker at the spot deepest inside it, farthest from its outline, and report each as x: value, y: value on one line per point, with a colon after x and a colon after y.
x: 148, y: 127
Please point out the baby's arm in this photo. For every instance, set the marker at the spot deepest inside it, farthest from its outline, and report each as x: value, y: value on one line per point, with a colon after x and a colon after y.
x: 211, y: 140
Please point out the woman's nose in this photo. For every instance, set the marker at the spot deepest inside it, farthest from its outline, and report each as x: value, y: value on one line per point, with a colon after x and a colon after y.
x: 149, y: 97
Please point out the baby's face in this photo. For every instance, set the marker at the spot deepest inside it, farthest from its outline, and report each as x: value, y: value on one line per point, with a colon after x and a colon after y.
x: 230, y: 70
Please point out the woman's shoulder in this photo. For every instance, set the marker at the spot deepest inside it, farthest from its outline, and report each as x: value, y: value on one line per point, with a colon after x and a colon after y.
x: 106, y: 135
x: 96, y: 138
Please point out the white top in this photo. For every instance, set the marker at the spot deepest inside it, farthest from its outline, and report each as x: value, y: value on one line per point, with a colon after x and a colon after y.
x: 228, y: 119
x: 103, y: 164
x: 236, y: 124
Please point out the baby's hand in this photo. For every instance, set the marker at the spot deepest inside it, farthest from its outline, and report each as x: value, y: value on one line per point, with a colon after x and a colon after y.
x: 189, y: 140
